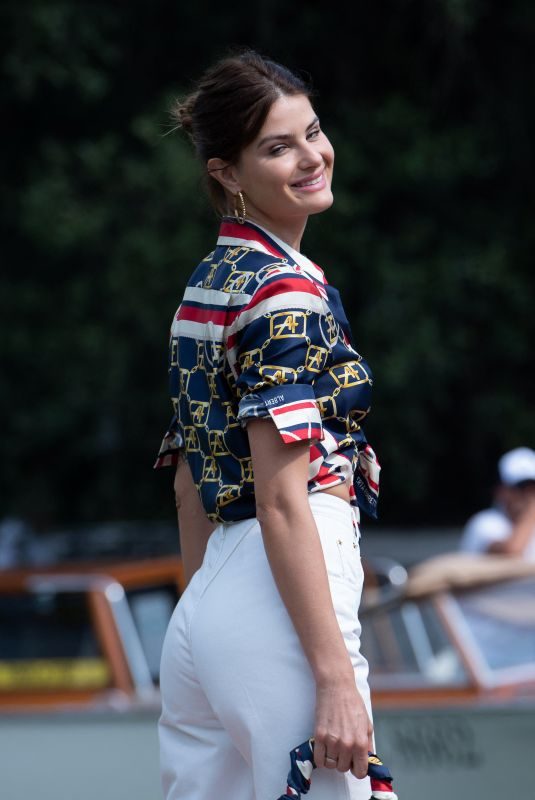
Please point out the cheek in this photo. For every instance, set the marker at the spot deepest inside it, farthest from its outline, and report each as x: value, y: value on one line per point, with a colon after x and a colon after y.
x: 329, y: 152
x: 274, y: 177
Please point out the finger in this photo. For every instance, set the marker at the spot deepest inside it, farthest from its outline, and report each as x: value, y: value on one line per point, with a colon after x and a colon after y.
x: 332, y: 751
x: 371, y: 739
x: 319, y: 752
x: 344, y: 759
x: 359, y: 763
x: 359, y: 768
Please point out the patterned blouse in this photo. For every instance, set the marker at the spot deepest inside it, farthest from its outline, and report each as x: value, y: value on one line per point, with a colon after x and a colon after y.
x: 260, y: 333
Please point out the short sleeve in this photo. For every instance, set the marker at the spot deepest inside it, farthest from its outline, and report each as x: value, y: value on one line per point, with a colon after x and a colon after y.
x: 484, y: 529
x: 171, y: 447
x: 283, y: 342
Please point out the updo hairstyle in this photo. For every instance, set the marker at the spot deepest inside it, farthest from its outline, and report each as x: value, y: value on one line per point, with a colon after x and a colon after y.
x: 228, y: 108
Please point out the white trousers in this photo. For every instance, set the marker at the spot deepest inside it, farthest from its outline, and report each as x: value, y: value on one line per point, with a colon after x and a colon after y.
x: 237, y: 690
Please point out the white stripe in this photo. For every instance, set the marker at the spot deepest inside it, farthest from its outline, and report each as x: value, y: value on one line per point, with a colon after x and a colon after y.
x: 278, y: 268
x: 302, y: 417
x: 329, y: 442
x: 252, y: 244
x: 304, y: 402
x: 336, y: 460
x: 203, y: 331
x: 300, y: 301
x: 331, y: 462
x: 214, y: 297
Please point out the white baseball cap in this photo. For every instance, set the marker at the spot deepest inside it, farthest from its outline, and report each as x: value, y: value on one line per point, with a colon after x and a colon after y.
x: 517, y: 466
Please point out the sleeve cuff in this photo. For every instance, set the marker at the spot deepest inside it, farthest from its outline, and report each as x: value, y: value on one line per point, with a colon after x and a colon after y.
x: 171, y: 448
x: 292, y: 408
x: 251, y: 406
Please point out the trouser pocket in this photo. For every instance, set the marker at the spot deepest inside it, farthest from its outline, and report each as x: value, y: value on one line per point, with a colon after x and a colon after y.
x: 339, y: 539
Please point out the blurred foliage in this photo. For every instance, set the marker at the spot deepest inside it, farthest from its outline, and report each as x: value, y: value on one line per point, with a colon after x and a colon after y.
x: 430, y: 108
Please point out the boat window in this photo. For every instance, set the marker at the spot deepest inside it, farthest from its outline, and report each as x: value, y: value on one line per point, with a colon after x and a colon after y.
x: 501, y: 620
x: 47, y: 643
x: 152, y: 608
x: 407, y: 644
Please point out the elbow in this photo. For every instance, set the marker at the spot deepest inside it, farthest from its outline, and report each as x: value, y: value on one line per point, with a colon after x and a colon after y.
x: 505, y: 548
x: 280, y: 508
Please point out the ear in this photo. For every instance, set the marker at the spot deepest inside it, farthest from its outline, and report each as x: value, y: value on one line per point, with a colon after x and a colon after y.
x: 225, y: 173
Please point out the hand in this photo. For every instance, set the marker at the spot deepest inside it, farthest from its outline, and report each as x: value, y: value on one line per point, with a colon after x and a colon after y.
x: 343, y: 733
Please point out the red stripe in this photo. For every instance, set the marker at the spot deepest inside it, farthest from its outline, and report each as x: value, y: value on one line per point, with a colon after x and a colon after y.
x: 281, y: 286
x: 324, y: 472
x: 196, y: 314
x: 327, y: 480
x: 315, y: 453
x: 235, y: 231
x: 380, y: 786
x: 303, y: 434
x: 294, y: 407
x: 274, y: 289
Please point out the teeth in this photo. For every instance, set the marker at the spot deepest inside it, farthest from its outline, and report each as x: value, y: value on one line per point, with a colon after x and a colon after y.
x: 310, y: 183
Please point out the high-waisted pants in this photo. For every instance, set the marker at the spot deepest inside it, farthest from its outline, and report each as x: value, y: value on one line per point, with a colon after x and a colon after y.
x: 237, y: 690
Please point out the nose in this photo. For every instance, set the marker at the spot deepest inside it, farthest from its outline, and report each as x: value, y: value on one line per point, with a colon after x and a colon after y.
x: 310, y: 155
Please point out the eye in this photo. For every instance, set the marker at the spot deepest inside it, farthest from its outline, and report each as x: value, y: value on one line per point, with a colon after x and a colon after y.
x: 278, y: 149
x: 314, y: 133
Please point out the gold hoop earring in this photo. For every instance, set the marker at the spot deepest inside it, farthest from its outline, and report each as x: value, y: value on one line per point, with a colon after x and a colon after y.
x: 239, y: 213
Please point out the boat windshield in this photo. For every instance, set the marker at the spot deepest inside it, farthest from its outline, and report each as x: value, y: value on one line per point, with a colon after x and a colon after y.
x: 407, y: 645
x: 500, y: 620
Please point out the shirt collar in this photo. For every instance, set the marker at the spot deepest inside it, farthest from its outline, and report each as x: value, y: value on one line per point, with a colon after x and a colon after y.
x: 250, y: 234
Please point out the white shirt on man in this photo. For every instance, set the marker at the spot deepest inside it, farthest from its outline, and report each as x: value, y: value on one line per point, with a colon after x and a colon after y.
x: 487, y: 527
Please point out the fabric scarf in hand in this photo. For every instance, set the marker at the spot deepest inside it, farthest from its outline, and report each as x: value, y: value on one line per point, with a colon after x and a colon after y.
x: 302, y: 766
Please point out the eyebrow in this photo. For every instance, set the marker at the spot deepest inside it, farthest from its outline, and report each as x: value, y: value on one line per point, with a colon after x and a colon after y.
x: 285, y: 135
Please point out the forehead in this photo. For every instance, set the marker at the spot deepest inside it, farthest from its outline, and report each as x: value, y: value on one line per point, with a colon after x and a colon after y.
x: 288, y: 114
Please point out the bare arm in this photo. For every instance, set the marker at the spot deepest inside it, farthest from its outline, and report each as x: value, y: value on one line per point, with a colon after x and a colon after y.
x: 288, y: 527
x: 194, y: 526
x: 523, y: 530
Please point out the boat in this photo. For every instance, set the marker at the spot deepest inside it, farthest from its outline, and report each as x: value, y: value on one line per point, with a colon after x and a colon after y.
x: 451, y: 647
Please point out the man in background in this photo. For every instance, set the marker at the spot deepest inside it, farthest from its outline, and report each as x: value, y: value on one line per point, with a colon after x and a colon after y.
x: 508, y: 527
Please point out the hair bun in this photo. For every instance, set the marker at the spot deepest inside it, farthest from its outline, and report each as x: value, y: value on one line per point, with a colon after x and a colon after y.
x: 182, y: 113
x: 227, y: 107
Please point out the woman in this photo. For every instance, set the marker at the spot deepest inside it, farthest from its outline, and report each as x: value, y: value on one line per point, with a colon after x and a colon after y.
x: 263, y: 647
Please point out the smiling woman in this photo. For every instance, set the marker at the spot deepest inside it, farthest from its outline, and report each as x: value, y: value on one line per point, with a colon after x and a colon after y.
x: 272, y: 465
x: 285, y: 175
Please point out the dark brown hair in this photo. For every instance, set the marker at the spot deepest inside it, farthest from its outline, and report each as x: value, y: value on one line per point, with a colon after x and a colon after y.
x: 226, y: 111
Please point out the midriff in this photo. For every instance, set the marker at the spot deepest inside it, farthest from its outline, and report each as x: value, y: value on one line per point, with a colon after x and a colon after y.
x: 340, y: 490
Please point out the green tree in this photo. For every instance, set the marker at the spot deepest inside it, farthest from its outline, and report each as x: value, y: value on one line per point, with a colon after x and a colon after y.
x: 430, y: 108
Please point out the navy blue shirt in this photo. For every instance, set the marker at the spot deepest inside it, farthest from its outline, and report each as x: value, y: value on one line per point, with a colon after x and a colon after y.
x: 260, y: 333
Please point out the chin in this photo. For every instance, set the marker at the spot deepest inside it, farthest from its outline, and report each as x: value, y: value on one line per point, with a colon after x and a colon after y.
x: 321, y: 203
